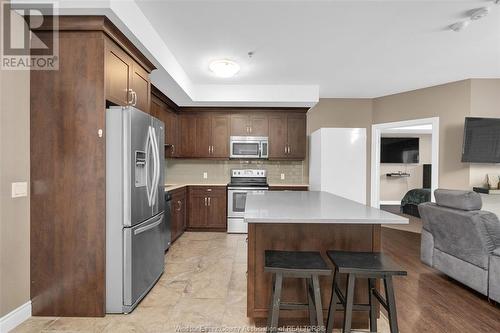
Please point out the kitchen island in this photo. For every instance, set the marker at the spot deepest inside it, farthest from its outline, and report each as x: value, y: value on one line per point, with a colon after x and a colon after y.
x: 307, y: 221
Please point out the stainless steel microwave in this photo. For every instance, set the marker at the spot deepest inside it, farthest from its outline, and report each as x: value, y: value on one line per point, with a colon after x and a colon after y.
x: 249, y: 147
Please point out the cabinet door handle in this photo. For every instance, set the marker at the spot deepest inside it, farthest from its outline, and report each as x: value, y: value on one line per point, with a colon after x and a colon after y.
x: 205, y: 201
x: 131, y: 96
x: 135, y: 98
x: 285, y: 149
x: 173, y: 149
x: 180, y: 205
x: 289, y: 149
x: 209, y: 201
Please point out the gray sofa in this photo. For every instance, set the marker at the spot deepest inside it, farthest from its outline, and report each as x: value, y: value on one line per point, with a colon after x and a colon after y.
x: 462, y: 241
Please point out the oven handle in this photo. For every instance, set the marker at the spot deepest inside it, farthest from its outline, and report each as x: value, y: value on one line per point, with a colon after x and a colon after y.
x: 248, y: 188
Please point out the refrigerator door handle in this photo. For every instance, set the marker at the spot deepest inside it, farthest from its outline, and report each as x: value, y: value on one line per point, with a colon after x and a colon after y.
x: 150, y: 144
x: 147, y: 165
x: 156, y: 166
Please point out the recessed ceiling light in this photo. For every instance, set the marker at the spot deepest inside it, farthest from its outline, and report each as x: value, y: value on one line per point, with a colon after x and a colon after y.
x: 459, y: 26
x: 224, y: 68
x: 479, y: 13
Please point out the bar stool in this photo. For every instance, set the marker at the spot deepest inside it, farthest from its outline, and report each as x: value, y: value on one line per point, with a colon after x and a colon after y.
x: 295, y: 264
x: 366, y: 265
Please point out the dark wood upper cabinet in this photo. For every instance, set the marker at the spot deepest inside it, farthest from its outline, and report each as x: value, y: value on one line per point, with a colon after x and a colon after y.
x: 207, y: 207
x: 296, y: 136
x: 277, y: 136
x: 127, y: 83
x: 203, y: 135
x: 171, y: 121
x: 187, y: 135
x: 220, y: 136
x: 239, y: 124
x: 253, y: 124
x: 160, y: 110
x: 118, y: 72
x: 207, y: 137
x: 287, y: 136
x: 140, y: 88
x: 259, y: 124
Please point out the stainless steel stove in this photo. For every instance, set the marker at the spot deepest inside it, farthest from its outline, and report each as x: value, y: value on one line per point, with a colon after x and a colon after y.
x: 243, y: 181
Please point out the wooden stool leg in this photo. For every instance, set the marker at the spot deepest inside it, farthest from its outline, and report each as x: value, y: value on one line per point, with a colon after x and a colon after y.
x: 310, y: 302
x: 391, y: 303
x: 351, y: 280
x: 373, y: 305
x: 333, y: 303
x: 275, y: 306
x: 317, y: 304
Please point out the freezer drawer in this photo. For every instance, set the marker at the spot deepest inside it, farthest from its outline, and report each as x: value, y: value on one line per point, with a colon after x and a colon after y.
x: 143, y: 260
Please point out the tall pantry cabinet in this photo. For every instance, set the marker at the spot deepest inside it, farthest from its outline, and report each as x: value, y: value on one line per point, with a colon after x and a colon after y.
x: 98, y: 66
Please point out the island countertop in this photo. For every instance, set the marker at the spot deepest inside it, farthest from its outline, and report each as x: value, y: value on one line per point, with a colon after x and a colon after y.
x: 313, y: 207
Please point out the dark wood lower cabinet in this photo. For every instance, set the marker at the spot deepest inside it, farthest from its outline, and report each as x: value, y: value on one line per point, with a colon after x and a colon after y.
x: 207, y: 208
x: 178, y: 213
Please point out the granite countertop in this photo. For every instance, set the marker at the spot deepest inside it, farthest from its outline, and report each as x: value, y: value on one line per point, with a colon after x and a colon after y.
x: 312, y: 207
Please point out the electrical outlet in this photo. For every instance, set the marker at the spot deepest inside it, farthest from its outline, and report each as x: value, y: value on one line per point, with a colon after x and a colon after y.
x: 205, y: 175
x: 19, y: 190
x: 282, y: 176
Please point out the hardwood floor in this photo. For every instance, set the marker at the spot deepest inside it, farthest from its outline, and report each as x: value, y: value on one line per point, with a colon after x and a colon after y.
x: 429, y: 301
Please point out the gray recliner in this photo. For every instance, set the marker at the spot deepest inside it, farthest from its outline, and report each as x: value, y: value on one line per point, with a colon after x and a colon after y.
x: 462, y: 241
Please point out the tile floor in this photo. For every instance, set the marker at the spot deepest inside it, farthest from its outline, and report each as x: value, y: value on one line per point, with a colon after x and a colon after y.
x: 204, y: 284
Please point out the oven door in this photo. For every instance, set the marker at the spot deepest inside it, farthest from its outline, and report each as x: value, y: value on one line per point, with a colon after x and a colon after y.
x: 236, y: 199
x: 245, y: 149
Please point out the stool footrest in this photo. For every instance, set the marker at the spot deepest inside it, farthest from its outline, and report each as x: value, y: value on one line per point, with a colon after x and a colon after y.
x: 355, y: 307
x: 293, y: 306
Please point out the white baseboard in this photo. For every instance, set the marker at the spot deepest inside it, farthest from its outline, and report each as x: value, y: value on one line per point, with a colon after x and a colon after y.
x: 390, y: 203
x: 15, y: 317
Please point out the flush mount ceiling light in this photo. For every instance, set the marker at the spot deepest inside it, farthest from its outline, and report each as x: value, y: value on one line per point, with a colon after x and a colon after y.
x: 224, y: 68
x: 459, y: 26
x: 479, y: 13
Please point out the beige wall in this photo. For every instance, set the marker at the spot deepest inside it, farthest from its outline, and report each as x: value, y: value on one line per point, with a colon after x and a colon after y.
x: 394, y: 188
x: 485, y: 102
x: 451, y: 103
x: 339, y: 112
x: 14, y: 213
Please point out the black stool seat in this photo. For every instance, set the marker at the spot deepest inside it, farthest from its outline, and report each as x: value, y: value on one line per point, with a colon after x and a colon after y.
x: 368, y: 266
x: 364, y: 262
x: 309, y: 262
x: 295, y: 264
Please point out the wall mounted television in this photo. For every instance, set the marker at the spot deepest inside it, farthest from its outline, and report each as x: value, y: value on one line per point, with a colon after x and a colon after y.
x: 481, y: 140
x: 399, y: 150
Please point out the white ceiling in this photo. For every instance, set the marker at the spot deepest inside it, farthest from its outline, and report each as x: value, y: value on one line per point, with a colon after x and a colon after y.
x: 348, y: 48
x: 303, y: 50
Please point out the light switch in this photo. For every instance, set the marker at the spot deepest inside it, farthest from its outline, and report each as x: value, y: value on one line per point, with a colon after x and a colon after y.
x: 19, y: 189
x: 282, y: 176
x: 205, y: 175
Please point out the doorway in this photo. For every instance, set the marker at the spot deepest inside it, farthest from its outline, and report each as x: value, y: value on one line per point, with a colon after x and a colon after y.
x: 427, y: 126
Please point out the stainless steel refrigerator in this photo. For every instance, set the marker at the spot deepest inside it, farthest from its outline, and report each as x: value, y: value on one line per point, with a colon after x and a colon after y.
x: 135, y: 203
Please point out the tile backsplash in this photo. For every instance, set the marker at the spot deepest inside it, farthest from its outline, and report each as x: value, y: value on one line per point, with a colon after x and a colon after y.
x: 191, y: 171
